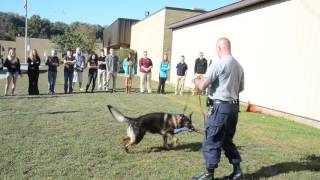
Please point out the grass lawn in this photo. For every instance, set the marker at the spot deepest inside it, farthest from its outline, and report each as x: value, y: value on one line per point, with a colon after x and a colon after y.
x: 74, y: 137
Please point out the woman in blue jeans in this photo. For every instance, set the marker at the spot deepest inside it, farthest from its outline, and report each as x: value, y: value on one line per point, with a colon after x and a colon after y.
x: 52, y: 63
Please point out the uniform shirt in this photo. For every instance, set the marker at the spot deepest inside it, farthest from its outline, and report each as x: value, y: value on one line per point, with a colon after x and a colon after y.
x: 12, y: 66
x: 52, y: 60
x: 102, y: 59
x: 227, y: 79
x: 164, y: 68
x: 200, y: 66
x: 181, y: 69
x: 33, y: 64
x: 146, y: 63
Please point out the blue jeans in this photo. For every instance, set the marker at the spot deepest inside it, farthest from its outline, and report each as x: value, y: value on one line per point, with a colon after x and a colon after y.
x: 52, y: 76
x: 68, y: 77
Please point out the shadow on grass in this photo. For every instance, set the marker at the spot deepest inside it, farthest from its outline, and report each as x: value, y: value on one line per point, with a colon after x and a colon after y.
x: 60, y: 112
x: 310, y: 163
x: 191, y: 147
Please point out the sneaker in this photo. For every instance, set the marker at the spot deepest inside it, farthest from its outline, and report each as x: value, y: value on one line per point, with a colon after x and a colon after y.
x: 180, y: 93
x: 176, y: 93
x: 81, y: 89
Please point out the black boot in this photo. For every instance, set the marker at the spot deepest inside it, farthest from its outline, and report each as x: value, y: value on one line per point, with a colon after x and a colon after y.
x: 205, y: 176
x: 236, y: 174
x: 87, y: 87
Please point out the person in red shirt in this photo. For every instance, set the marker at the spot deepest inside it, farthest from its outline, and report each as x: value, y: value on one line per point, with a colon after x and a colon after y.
x: 145, y: 65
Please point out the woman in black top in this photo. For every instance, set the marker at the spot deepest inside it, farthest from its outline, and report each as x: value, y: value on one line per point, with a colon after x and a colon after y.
x: 68, y: 62
x: 93, y: 70
x: 33, y: 72
x: 12, y: 64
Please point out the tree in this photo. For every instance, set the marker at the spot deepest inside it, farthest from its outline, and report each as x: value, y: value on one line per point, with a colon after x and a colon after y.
x: 72, y: 40
x: 38, y: 28
x: 58, y: 28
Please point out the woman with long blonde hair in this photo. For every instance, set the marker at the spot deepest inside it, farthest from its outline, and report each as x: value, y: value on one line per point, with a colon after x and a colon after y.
x: 12, y: 63
x: 33, y: 72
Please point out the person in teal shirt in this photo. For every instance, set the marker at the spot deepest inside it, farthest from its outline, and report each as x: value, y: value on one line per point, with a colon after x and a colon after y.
x: 163, y: 74
x: 128, y: 66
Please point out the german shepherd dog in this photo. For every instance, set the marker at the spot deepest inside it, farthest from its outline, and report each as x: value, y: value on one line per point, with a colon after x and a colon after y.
x: 156, y: 123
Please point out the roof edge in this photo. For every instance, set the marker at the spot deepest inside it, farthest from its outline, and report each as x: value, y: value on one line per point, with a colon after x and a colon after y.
x: 216, y: 12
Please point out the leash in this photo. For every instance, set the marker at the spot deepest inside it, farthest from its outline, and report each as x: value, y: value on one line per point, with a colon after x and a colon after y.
x: 202, y: 112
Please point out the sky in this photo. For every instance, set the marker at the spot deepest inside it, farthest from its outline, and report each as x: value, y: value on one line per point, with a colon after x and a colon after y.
x: 102, y: 12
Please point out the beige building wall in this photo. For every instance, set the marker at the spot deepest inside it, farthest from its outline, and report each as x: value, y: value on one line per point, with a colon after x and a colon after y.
x: 42, y: 46
x: 148, y: 35
x: 278, y: 47
x: 152, y: 35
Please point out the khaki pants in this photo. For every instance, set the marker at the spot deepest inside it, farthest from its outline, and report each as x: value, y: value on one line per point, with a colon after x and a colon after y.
x: 101, y: 79
x: 145, y: 77
x: 180, y: 84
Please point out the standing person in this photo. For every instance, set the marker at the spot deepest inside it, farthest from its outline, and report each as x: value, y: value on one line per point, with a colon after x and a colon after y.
x: 78, y: 68
x: 102, y: 69
x: 68, y: 62
x: 128, y: 68
x: 12, y: 63
x: 226, y: 78
x: 163, y: 74
x: 93, y: 70
x: 112, y: 61
x: 200, y: 69
x: 182, y: 68
x: 53, y: 63
x: 145, y: 65
x: 33, y: 72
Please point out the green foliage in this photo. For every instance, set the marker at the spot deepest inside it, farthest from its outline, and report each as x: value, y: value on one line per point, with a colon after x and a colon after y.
x: 38, y: 28
x: 12, y: 25
x: 72, y: 40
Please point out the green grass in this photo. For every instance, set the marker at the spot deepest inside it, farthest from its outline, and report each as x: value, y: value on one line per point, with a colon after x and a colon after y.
x: 74, y: 137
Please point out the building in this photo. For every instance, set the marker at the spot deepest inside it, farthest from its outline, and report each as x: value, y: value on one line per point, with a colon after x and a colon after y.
x: 43, y: 46
x: 276, y: 41
x: 152, y: 35
x: 118, y: 34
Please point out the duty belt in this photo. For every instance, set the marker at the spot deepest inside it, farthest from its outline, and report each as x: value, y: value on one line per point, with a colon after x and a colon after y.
x: 211, y: 102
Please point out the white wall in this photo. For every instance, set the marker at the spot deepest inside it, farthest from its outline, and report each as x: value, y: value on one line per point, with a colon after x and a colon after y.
x: 278, y: 47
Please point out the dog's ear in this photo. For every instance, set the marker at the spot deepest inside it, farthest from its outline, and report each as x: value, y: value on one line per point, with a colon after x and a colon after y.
x: 190, y: 115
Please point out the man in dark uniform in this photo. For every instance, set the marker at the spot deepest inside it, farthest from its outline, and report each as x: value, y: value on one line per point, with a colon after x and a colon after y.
x: 225, y: 80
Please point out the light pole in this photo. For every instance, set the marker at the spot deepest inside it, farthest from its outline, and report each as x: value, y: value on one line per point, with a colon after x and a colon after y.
x: 26, y: 31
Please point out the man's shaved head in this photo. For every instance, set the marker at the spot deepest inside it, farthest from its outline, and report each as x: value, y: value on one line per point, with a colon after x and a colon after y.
x: 223, y: 46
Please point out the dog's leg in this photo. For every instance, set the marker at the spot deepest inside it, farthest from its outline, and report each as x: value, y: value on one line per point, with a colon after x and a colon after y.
x: 175, y: 141
x: 125, y: 140
x: 129, y: 145
x: 165, y: 141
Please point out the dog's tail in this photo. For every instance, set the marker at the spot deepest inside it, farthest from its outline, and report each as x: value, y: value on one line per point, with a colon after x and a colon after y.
x: 117, y: 115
